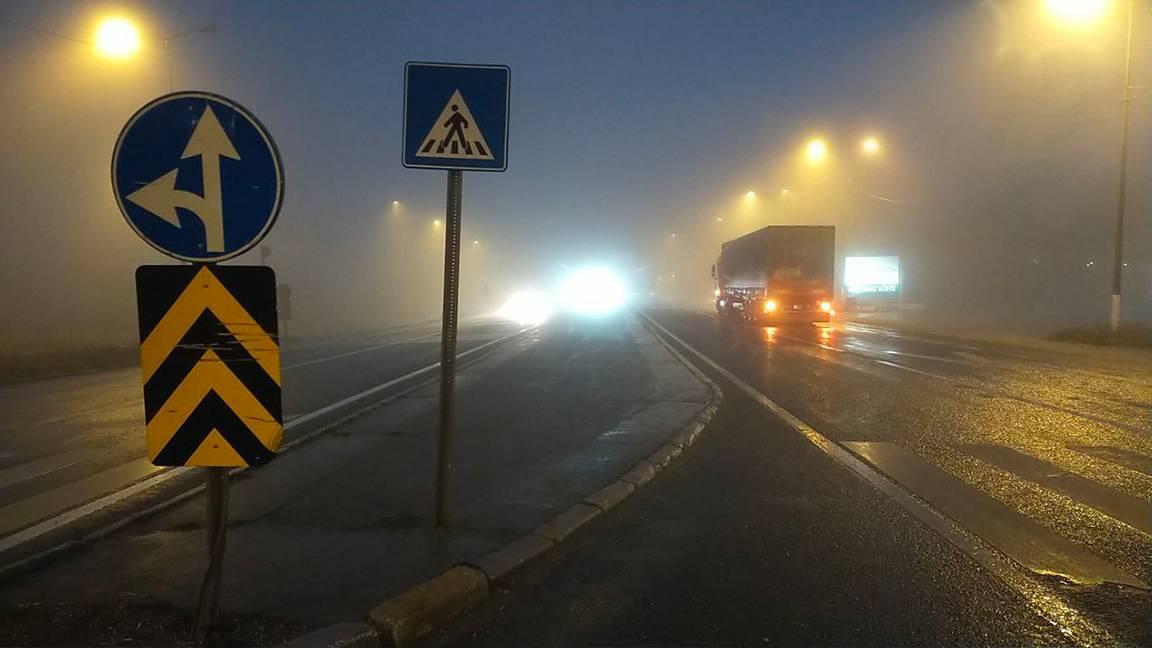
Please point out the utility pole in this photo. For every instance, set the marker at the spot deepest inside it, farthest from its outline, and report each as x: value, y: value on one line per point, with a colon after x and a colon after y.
x: 1118, y: 266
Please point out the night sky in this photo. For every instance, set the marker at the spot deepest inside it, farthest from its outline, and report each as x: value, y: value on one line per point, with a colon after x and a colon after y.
x: 630, y: 120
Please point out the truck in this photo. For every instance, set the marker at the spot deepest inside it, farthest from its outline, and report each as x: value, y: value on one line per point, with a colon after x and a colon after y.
x: 778, y: 274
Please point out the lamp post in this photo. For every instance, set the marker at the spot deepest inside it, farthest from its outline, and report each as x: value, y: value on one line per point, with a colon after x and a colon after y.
x: 1118, y: 258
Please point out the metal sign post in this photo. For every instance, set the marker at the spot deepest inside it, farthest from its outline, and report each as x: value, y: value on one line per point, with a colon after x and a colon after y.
x: 455, y: 118
x: 448, y: 325
x: 209, y: 599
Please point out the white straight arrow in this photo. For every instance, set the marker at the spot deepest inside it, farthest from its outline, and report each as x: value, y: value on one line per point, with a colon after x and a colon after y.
x: 161, y: 197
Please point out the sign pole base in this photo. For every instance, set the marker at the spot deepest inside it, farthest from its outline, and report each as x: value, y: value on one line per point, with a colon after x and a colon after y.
x: 448, y: 344
x: 217, y: 527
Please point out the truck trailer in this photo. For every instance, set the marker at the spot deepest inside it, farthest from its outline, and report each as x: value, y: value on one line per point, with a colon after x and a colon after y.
x: 778, y: 274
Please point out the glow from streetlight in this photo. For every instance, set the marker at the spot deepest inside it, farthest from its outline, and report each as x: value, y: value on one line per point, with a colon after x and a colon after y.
x: 816, y: 151
x: 1076, y: 12
x: 117, y: 38
x: 436, y: 223
x: 750, y: 196
x: 395, y: 203
x: 784, y: 193
x: 870, y: 146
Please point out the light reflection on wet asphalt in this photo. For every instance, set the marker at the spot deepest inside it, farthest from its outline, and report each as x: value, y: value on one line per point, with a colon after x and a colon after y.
x: 939, y: 398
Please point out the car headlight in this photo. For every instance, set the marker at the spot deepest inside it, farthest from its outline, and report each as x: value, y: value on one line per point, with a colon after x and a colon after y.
x: 826, y: 306
x: 770, y: 306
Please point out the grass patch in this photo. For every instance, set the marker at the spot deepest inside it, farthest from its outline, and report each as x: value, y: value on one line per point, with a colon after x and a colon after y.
x: 1128, y: 335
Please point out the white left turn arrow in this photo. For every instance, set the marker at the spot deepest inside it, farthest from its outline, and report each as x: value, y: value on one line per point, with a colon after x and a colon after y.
x: 161, y: 197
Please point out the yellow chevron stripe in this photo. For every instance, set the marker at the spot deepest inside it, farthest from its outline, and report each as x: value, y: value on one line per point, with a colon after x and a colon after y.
x: 211, y: 374
x: 205, y: 292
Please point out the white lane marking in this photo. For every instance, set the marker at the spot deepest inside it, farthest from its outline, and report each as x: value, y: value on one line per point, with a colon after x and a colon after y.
x: 916, y: 371
x: 73, y: 514
x: 968, y: 355
x: 872, y: 355
x: 377, y: 347
x: 1066, y: 619
x: 300, y: 420
x: 857, y: 327
x: 927, y: 357
x: 37, y: 468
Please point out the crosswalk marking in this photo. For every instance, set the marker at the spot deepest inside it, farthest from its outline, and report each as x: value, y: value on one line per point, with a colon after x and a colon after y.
x: 1118, y: 456
x: 1130, y: 510
x: 1014, y: 534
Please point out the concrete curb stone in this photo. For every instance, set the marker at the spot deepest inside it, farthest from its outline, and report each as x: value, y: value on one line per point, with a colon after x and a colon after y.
x: 641, y: 474
x: 403, y: 619
x: 568, y: 522
x: 665, y: 455
x: 610, y: 495
x: 512, y: 556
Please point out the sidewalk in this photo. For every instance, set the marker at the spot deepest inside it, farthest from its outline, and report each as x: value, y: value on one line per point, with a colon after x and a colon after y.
x: 326, y: 532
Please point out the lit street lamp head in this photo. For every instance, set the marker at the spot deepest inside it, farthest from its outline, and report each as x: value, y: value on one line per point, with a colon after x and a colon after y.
x: 1076, y: 12
x: 870, y: 146
x: 117, y: 38
x: 816, y: 151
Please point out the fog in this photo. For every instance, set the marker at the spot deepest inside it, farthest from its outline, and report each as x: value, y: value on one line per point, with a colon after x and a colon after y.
x: 996, y: 182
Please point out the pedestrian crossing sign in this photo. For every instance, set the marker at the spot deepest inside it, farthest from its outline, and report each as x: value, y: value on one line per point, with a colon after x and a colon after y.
x: 455, y: 134
x: 456, y: 116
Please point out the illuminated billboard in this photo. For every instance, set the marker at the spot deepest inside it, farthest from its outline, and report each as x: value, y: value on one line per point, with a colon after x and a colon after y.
x: 871, y: 275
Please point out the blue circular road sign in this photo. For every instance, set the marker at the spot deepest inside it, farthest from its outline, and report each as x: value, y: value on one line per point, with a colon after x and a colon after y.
x: 197, y: 176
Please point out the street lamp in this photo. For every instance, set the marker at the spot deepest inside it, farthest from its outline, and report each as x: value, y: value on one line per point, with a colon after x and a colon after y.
x: 117, y: 38
x: 870, y: 146
x: 816, y: 151
x: 750, y: 196
x: 1077, y: 13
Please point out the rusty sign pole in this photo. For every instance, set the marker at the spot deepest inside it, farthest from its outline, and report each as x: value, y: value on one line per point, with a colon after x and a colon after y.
x: 217, y: 532
x: 448, y: 344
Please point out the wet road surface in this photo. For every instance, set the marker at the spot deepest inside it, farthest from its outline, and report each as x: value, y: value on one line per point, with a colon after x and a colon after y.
x: 1035, y: 459
x: 68, y: 440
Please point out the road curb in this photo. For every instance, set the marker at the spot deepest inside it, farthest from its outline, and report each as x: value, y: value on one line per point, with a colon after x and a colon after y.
x: 403, y: 619
x: 416, y: 613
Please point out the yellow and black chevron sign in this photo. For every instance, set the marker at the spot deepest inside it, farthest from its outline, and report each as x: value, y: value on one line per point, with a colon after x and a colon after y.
x: 210, y: 358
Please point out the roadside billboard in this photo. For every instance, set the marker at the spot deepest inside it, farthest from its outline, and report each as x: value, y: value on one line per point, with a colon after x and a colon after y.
x: 879, y: 275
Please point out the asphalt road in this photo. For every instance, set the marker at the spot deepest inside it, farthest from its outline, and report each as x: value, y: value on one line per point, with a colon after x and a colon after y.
x: 1037, y: 463
x: 67, y: 440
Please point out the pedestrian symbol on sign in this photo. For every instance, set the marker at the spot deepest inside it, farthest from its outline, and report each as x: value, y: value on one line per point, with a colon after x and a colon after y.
x: 455, y: 134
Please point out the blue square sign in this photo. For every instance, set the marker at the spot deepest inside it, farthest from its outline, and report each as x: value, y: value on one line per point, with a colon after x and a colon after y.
x: 456, y: 116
